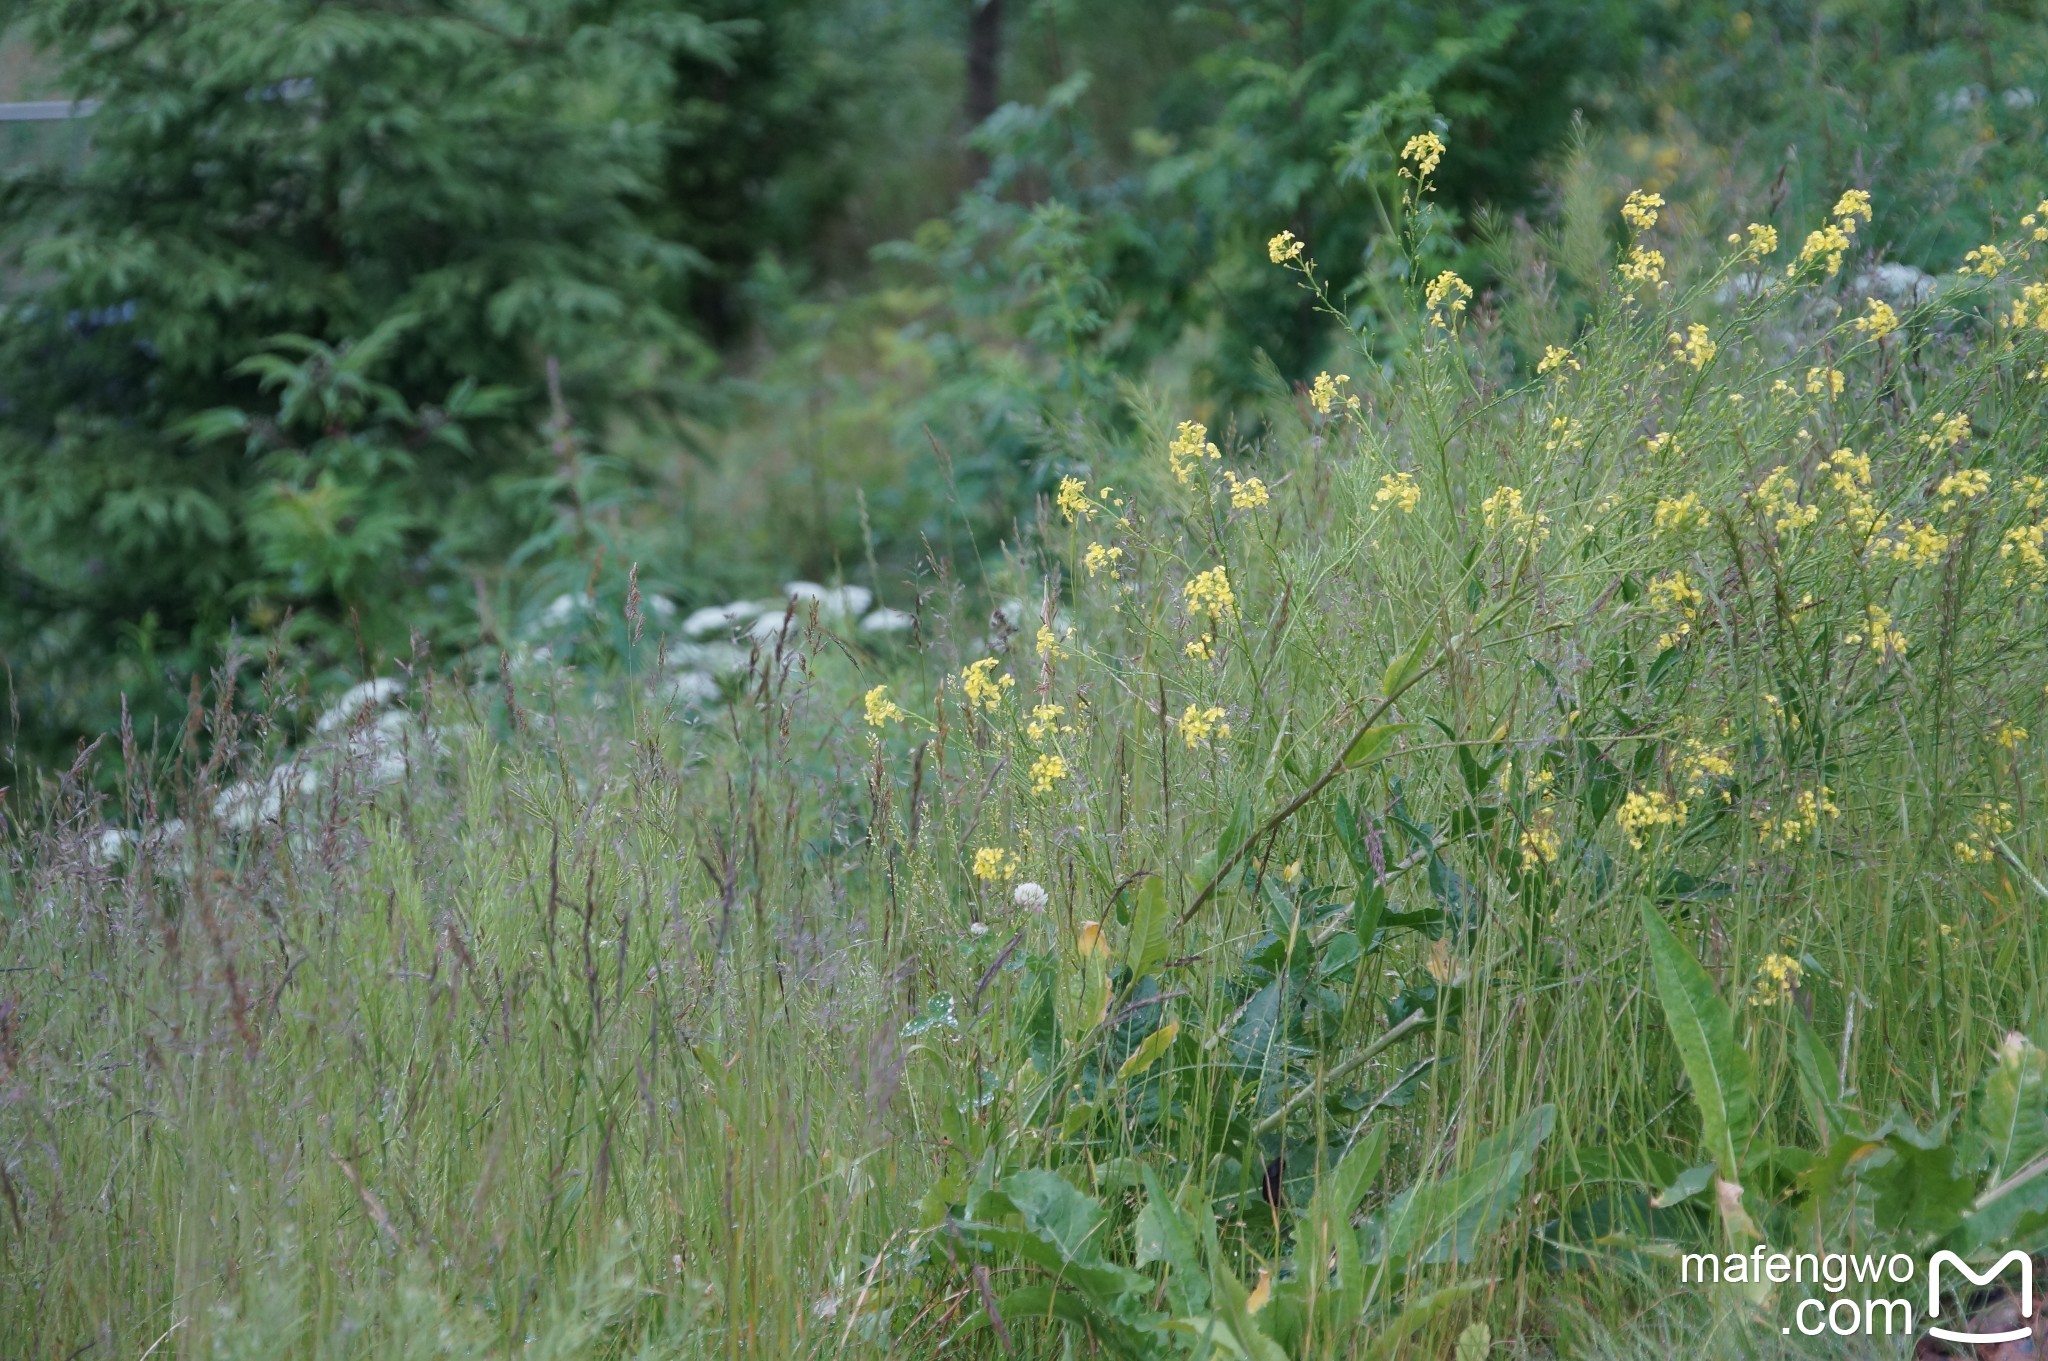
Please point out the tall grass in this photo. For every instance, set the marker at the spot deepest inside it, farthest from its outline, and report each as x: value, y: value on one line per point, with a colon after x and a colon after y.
x: 612, y: 1030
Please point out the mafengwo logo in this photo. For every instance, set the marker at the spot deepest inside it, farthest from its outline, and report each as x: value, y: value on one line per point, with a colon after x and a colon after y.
x: 2026, y: 1296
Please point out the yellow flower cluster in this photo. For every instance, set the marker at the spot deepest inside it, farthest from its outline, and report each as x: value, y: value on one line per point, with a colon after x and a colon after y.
x: 1661, y: 443
x: 1776, y: 498
x: 1050, y: 645
x: 1248, y: 494
x: 1878, y: 632
x: 1557, y: 357
x: 1987, y: 260
x: 1045, y: 722
x: 1641, y: 815
x: 1674, y: 596
x: 2024, y: 551
x: 1701, y: 764
x: 1401, y: 491
x: 1988, y: 823
x: 1540, y: 842
x: 1322, y: 395
x: 1190, y: 445
x: 1967, y: 485
x: 1425, y: 150
x: 1880, y: 321
x: 1073, y: 500
x: 1504, y: 511
x: 1950, y: 429
x: 1642, y: 266
x: 1048, y: 770
x: 1284, y: 249
x: 1775, y: 979
x: 1848, y: 473
x: 1831, y: 242
x: 1763, y: 240
x: 1097, y: 558
x: 1566, y: 434
x: 1676, y: 515
x: 1210, y: 598
x: 1640, y: 210
x: 1695, y: 347
x: 984, y: 689
x: 1917, y: 545
x: 2008, y: 734
x: 1446, y: 295
x: 1199, y: 725
x: 1825, y: 381
x: 2031, y: 307
x: 1800, y: 822
x: 993, y: 862
x: 881, y: 709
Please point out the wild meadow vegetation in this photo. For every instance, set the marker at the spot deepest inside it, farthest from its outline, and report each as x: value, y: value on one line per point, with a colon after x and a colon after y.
x: 1420, y: 689
x: 1398, y: 865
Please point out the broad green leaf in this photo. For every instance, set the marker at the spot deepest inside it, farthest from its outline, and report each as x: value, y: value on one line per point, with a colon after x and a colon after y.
x: 1163, y: 1235
x: 1402, y: 671
x: 1817, y: 1081
x: 1371, y: 744
x: 1052, y: 1205
x: 1150, y: 921
x: 1690, y: 1183
x: 1390, y: 1339
x: 2009, y: 1111
x: 1723, y: 1085
x: 1444, y: 1220
x: 1920, y: 1190
x: 1148, y: 1051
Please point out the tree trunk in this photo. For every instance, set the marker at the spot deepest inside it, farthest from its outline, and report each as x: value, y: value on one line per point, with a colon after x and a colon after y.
x: 984, y: 66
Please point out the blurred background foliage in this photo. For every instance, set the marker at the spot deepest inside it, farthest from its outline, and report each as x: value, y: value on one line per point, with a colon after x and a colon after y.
x: 343, y: 332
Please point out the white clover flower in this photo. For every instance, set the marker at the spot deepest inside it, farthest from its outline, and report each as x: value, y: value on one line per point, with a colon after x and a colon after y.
x: 712, y: 618
x: 1030, y: 896
x: 977, y: 929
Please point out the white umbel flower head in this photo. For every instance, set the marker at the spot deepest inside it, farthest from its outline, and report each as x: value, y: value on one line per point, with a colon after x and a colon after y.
x: 1030, y: 896
x: 371, y: 694
x: 719, y: 618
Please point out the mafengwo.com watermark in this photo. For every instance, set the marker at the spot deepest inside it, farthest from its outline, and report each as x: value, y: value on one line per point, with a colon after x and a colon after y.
x: 1880, y: 1295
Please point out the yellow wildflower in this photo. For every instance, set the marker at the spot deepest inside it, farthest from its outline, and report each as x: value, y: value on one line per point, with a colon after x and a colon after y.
x: 1702, y: 764
x: 1878, y: 632
x: 1950, y: 429
x: 1400, y: 490
x: 1049, y: 644
x: 1828, y: 381
x: 984, y: 690
x: 1504, y: 511
x: 1762, y: 240
x: 2025, y: 553
x: 1642, y: 267
x: 1447, y: 294
x: 1073, y: 500
x: 1323, y: 394
x: 1880, y: 321
x: 1776, y: 498
x: 1775, y: 979
x: 1426, y: 150
x: 1695, y: 347
x: 1190, y: 445
x: 992, y: 863
x: 1641, y: 814
x: 1284, y: 249
x: 1800, y: 822
x: 1556, y: 357
x: 1045, y: 721
x: 881, y: 709
x: 1209, y: 593
x: 1987, y: 260
x: 1248, y: 494
x: 1540, y: 842
x: 1962, y: 486
x: 1920, y: 545
x: 1829, y: 245
x: 1199, y: 725
x: 1674, y: 596
x: 2008, y: 734
x: 1048, y: 770
x: 1853, y: 203
x: 1640, y: 210
x: 1988, y: 823
x: 1097, y: 558
x: 1675, y: 515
